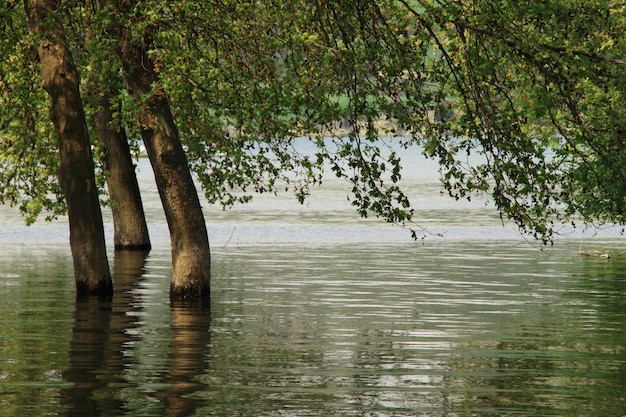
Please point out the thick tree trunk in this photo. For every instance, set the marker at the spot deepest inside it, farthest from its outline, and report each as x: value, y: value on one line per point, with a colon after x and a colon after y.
x: 191, y: 259
x: 129, y: 221
x: 76, y: 168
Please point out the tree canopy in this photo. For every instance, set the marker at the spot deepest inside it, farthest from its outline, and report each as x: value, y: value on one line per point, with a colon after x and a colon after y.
x: 534, y: 90
x: 28, y: 156
x: 542, y: 88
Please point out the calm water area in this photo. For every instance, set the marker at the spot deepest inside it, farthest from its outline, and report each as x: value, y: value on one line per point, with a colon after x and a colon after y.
x: 316, y: 312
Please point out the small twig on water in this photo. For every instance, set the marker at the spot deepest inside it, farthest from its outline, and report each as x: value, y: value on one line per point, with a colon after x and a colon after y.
x: 230, y: 237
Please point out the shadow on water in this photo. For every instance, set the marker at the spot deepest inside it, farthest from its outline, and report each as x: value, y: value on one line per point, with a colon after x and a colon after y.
x: 108, y: 374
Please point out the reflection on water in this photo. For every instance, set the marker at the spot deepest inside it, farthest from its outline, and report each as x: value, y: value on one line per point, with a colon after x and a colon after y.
x: 492, y: 330
x: 112, y: 374
x: 435, y: 329
x: 317, y: 313
x: 101, y: 334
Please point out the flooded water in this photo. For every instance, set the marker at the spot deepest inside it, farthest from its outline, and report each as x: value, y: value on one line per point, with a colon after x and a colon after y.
x: 316, y: 312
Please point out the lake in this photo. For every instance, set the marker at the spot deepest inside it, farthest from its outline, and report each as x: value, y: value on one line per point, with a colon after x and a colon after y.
x: 316, y: 312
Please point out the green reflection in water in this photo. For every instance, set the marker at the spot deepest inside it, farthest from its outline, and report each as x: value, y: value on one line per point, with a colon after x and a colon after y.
x: 486, y: 330
x: 136, y: 354
x: 441, y: 329
x: 36, y: 295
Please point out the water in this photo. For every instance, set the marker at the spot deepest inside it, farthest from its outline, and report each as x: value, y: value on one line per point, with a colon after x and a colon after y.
x: 316, y: 312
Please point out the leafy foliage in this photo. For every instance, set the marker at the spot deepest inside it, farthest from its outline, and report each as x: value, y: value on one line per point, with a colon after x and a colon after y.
x: 521, y: 100
x: 28, y: 160
x: 247, y: 84
x: 542, y: 88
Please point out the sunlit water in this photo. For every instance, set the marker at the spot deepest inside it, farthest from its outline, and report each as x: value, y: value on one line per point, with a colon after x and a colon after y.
x: 315, y: 312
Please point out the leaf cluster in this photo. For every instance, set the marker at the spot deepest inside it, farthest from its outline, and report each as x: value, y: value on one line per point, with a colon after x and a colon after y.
x: 28, y: 162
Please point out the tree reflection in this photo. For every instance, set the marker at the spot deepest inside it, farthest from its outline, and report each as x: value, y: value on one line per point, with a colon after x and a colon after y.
x: 190, y: 327
x: 112, y: 351
x: 100, y: 336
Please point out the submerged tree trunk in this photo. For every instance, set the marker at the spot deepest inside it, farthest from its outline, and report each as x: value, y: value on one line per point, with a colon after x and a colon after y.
x: 191, y: 259
x: 76, y: 169
x: 130, y: 231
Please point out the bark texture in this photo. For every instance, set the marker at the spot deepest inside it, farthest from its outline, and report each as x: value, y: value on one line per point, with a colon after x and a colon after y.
x: 129, y: 221
x: 76, y: 169
x: 191, y: 259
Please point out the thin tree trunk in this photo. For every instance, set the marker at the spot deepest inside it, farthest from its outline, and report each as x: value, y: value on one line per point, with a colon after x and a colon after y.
x: 129, y: 221
x: 191, y: 259
x: 76, y: 168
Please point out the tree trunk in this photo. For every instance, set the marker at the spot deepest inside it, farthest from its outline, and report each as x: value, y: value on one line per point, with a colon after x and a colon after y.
x: 130, y: 231
x: 129, y: 221
x: 76, y: 169
x: 191, y: 259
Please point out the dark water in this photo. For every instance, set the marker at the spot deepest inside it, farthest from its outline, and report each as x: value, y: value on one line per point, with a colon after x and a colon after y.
x: 315, y: 312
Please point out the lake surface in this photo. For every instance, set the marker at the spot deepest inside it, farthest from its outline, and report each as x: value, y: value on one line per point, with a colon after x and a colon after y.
x: 315, y: 312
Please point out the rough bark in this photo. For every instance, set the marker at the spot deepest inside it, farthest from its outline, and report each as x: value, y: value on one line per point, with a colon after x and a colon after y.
x: 76, y: 169
x: 130, y: 231
x: 191, y: 259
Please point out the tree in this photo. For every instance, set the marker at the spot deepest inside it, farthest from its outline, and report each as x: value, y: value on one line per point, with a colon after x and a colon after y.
x: 104, y: 86
x: 191, y: 259
x: 76, y: 170
x: 28, y: 162
x: 129, y: 221
x: 533, y: 89
x: 539, y: 94
x: 191, y: 256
